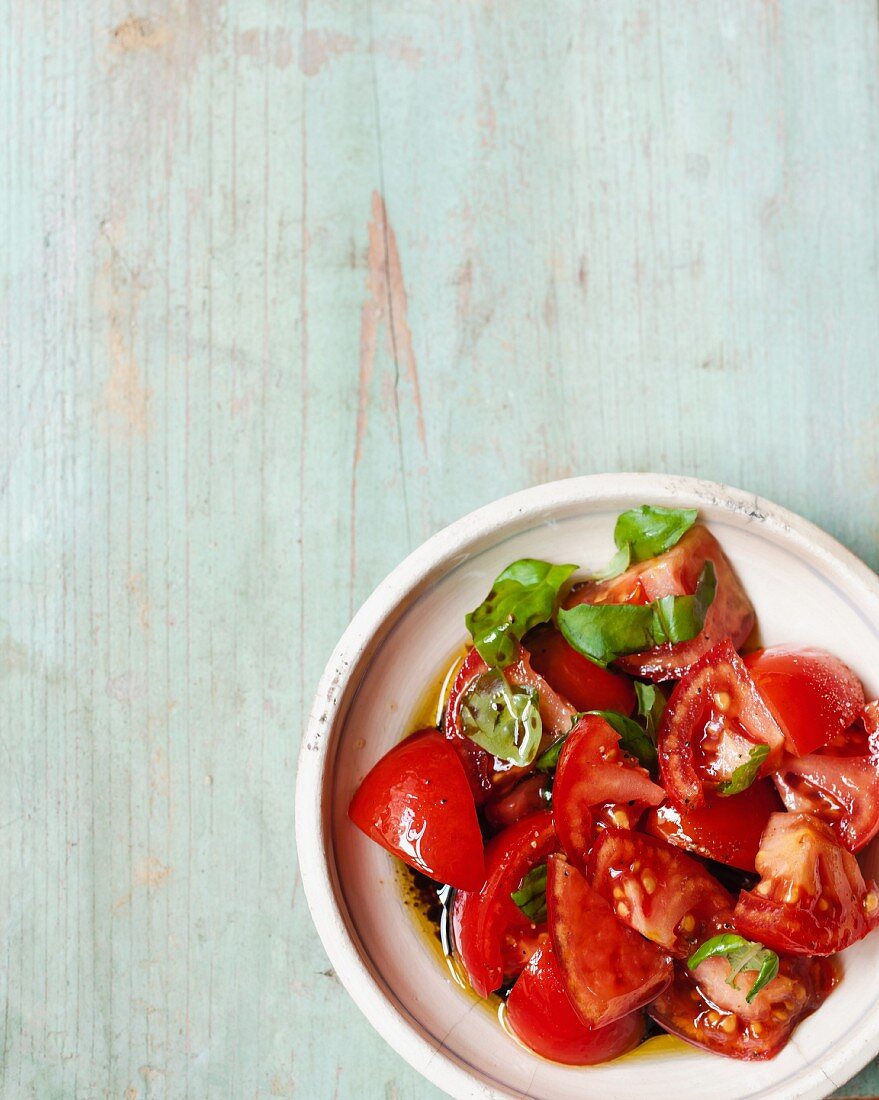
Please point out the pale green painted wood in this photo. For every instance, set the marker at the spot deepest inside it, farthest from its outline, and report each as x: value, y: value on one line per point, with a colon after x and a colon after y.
x: 616, y: 236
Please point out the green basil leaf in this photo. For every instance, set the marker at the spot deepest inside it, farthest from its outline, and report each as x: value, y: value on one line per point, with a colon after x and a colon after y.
x: 651, y: 706
x: 522, y: 596
x: 549, y: 758
x: 644, y: 532
x: 679, y: 618
x: 502, y: 719
x: 603, y: 632
x: 531, y: 895
x: 633, y: 738
x: 745, y: 774
x: 742, y: 954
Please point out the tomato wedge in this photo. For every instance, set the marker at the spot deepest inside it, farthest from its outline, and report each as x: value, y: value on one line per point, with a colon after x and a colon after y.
x: 583, y: 683
x: 702, y: 1009
x: 593, y: 770
x: 727, y: 830
x: 540, y: 1012
x: 813, y: 695
x: 811, y: 898
x: 675, y: 573
x: 838, y: 784
x: 714, y: 720
x: 484, y: 770
x: 608, y: 970
x: 416, y: 802
x: 487, y: 925
x: 659, y: 891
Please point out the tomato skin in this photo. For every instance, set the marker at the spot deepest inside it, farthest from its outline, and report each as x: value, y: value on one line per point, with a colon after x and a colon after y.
x: 485, y: 771
x: 727, y: 830
x: 584, y: 684
x: 674, y: 573
x: 540, y: 1012
x: 607, y: 969
x: 811, y: 898
x: 593, y: 770
x: 487, y: 925
x: 657, y: 890
x: 703, y: 1010
x: 416, y: 803
x: 812, y: 694
x: 714, y: 718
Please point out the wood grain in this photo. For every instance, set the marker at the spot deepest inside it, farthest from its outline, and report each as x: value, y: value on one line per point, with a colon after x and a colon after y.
x: 286, y: 288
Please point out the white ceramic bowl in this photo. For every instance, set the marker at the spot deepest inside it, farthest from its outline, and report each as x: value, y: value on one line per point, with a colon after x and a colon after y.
x: 807, y: 589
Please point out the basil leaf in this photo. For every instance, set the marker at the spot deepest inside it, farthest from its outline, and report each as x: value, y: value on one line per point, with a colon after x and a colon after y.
x: 531, y: 895
x: 501, y: 719
x: 522, y: 596
x: 549, y: 758
x: 603, y: 632
x: 745, y: 774
x: 743, y: 955
x: 644, y: 532
x: 651, y: 706
x: 633, y: 738
x: 679, y: 618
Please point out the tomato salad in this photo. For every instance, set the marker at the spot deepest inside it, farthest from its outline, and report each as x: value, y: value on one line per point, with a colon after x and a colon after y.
x: 632, y: 824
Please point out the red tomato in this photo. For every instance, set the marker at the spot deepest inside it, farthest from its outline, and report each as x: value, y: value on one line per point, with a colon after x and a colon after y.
x: 608, y: 970
x: 724, y: 829
x: 811, y: 898
x: 871, y: 717
x: 488, y: 927
x: 676, y: 573
x: 540, y: 1012
x: 665, y: 895
x: 416, y: 802
x: 529, y: 796
x: 594, y: 770
x: 813, y: 695
x: 582, y: 682
x: 714, y: 719
x: 485, y: 771
x: 702, y: 1009
x: 839, y: 784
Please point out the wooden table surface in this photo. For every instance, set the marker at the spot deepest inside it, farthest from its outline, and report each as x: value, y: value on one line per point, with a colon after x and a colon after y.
x: 288, y: 287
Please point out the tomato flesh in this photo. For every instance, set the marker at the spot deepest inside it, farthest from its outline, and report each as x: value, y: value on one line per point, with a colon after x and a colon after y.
x: 584, y: 684
x: 727, y: 830
x: 811, y: 898
x: 485, y: 771
x: 607, y: 969
x: 813, y: 695
x: 488, y: 927
x: 416, y: 803
x: 593, y: 770
x: 676, y: 573
x: 540, y: 1012
x: 702, y: 1009
x: 714, y: 719
x: 506, y: 806
x: 657, y: 890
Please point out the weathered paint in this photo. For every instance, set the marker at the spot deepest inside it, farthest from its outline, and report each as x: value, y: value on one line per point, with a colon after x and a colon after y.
x: 285, y: 289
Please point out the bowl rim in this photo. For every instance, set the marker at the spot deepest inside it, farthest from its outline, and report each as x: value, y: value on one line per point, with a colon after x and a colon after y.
x: 375, y: 618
